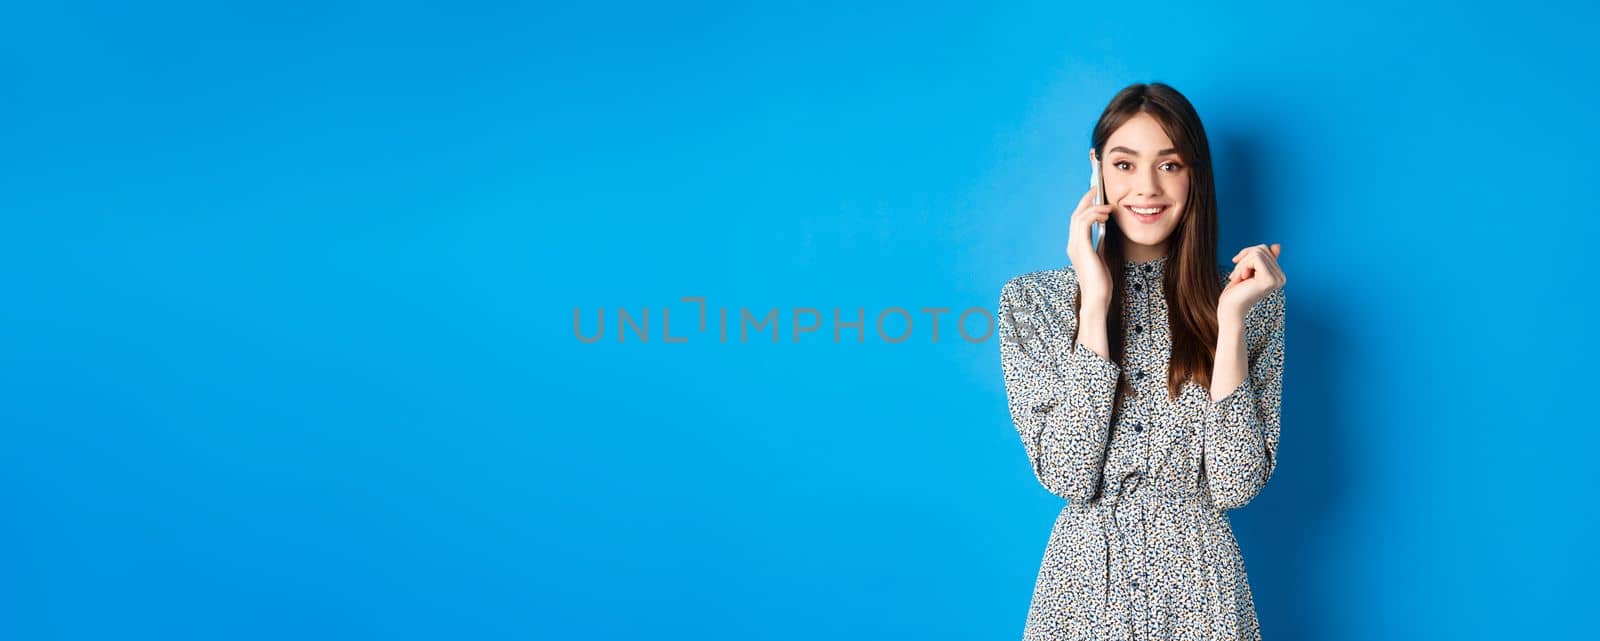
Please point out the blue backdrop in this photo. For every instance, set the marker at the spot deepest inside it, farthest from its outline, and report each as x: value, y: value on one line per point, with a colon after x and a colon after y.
x: 290, y: 289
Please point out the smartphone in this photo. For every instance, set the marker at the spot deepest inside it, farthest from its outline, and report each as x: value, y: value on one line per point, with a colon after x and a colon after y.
x: 1097, y: 230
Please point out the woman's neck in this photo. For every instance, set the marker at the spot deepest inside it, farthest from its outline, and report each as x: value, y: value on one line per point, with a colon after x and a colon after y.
x: 1143, y: 253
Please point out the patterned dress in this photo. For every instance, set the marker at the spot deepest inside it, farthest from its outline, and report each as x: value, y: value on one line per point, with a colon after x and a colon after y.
x: 1143, y: 549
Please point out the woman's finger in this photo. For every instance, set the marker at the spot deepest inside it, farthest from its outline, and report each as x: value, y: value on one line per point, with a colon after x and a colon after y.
x: 1273, y: 251
x: 1266, y: 262
x: 1268, y: 259
x: 1073, y: 223
x: 1088, y: 197
x: 1242, y: 255
x: 1240, y: 269
x: 1261, y: 251
x: 1252, y: 262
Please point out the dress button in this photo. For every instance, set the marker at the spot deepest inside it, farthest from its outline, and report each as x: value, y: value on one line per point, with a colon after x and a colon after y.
x: 1138, y: 428
x: 1138, y: 287
x: 1139, y: 374
x: 1147, y: 268
x: 1138, y: 329
x: 1135, y: 585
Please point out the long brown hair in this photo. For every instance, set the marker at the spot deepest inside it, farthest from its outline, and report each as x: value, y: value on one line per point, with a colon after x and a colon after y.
x: 1191, y: 280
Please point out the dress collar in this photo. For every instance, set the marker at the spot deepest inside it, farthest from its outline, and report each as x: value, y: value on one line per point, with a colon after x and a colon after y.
x: 1153, y: 266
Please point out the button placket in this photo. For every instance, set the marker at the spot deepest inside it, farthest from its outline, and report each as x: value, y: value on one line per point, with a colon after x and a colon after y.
x: 1144, y: 326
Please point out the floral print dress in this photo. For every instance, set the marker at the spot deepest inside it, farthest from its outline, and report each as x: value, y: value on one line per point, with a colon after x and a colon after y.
x: 1143, y: 548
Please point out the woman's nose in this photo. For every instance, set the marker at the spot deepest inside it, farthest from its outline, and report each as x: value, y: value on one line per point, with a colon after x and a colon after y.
x: 1149, y: 185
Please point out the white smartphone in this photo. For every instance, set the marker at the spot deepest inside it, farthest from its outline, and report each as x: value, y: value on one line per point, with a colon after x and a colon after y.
x: 1098, y: 230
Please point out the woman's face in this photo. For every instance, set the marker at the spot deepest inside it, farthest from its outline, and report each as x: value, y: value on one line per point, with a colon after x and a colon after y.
x: 1142, y: 170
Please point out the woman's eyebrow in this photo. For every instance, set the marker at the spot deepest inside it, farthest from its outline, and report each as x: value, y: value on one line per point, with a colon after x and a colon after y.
x: 1126, y: 150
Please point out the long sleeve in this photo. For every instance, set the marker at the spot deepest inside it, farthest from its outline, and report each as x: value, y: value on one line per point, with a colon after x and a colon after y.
x: 1060, y: 395
x: 1241, y: 429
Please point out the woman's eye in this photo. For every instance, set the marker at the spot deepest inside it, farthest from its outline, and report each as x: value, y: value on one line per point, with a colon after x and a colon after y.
x: 1124, y: 165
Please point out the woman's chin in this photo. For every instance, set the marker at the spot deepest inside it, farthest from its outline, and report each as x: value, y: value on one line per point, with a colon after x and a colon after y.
x: 1150, y: 243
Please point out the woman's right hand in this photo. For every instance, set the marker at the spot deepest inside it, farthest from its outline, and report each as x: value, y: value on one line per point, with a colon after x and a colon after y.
x: 1094, y: 279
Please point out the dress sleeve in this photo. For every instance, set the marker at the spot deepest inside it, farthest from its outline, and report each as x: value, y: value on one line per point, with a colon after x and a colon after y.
x: 1060, y: 394
x: 1241, y: 429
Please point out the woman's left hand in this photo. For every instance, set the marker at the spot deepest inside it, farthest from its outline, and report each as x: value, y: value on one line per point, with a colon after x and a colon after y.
x: 1255, y: 274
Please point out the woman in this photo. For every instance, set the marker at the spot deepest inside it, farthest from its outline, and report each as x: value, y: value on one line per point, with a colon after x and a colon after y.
x: 1145, y: 380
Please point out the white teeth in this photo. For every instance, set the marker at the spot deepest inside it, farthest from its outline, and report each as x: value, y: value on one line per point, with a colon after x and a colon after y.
x: 1146, y: 211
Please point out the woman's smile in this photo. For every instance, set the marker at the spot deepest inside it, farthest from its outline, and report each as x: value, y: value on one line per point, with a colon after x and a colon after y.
x: 1147, y: 215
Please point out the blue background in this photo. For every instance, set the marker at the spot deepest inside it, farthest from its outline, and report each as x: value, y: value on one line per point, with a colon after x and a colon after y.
x: 289, y: 291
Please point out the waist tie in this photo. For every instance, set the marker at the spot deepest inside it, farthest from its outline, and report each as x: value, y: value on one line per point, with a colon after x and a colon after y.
x: 1136, y: 487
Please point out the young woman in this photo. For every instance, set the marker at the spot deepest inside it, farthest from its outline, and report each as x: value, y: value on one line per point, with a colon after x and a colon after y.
x: 1145, y: 381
